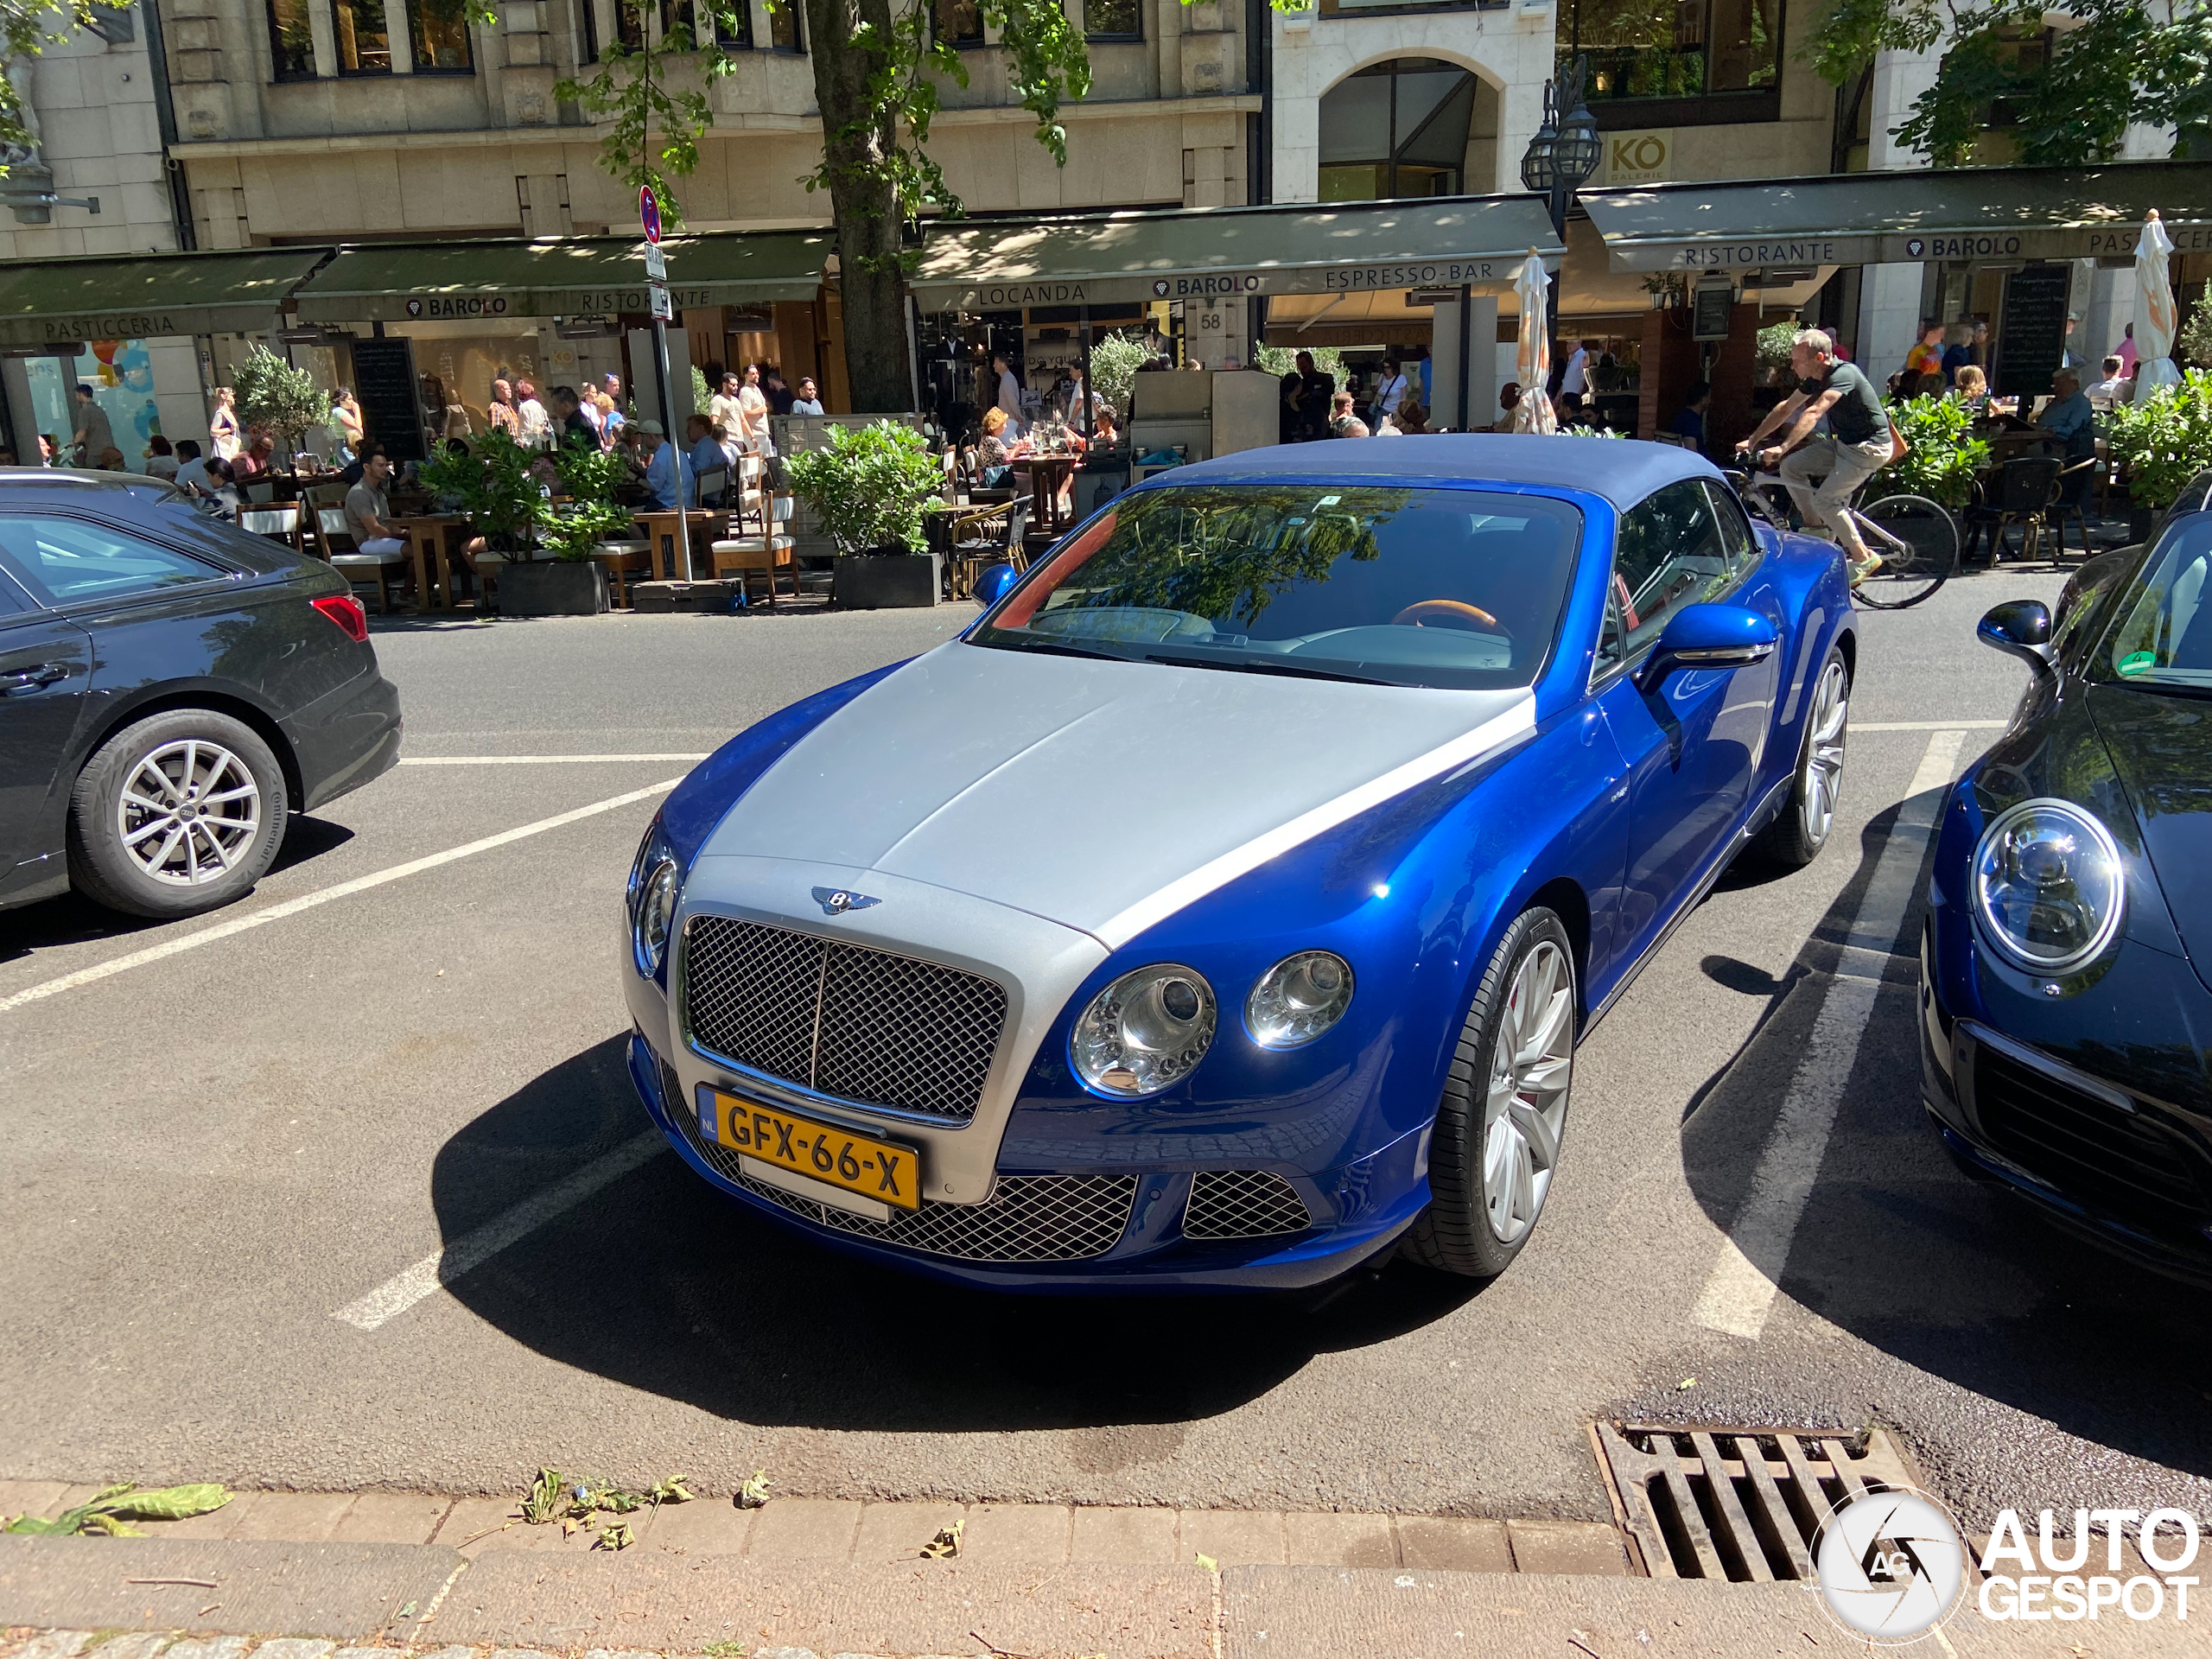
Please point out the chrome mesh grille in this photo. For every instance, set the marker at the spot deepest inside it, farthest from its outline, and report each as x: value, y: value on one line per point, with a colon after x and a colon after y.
x: 1028, y: 1218
x: 861, y: 1024
x: 1243, y: 1204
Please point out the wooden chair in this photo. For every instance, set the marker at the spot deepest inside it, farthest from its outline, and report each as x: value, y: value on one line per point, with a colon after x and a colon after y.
x: 712, y: 483
x: 767, y: 556
x: 259, y: 493
x: 278, y: 523
x: 990, y: 535
x: 752, y: 499
x: 357, y: 567
x: 621, y: 561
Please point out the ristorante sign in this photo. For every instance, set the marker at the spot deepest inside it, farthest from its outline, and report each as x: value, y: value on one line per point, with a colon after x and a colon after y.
x: 1473, y: 271
x: 1756, y: 253
x: 493, y: 303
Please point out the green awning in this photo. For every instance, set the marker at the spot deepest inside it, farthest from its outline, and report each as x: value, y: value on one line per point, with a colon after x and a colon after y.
x: 559, y: 277
x: 1218, y: 252
x: 1903, y: 218
x: 146, y: 297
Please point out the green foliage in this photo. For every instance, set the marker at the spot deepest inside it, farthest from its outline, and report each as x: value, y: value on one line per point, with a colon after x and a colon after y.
x: 1114, y: 361
x: 1944, y: 457
x: 495, y: 488
x: 701, y: 394
x: 579, y: 1500
x: 106, y: 1511
x: 867, y: 485
x: 277, y: 398
x: 2194, y: 343
x: 2165, y: 438
x: 657, y: 124
x: 27, y: 29
x: 2126, y: 61
x: 1774, y: 342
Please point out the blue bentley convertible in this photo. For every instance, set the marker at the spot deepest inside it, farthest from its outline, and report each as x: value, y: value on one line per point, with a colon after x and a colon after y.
x: 1224, y: 906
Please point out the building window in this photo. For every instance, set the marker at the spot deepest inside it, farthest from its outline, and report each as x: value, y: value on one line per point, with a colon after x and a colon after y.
x: 784, y: 34
x: 588, y: 13
x: 630, y: 24
x: 1113, y: 20
x: 438, y: 33
x: 291, y: 41
x: 733, y: 24
x: 364, y: 46
x: 956, y: 22
x: 1674, y: 49
x: 1396, y: 129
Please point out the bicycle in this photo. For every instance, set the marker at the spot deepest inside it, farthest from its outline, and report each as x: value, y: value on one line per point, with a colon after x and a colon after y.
x: 1917, y: 538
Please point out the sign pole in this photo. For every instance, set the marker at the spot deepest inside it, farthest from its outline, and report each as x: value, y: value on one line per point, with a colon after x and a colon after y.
x: 657, y: 271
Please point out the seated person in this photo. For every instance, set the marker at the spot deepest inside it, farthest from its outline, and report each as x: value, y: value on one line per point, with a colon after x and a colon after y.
x: 2068, y: 418
x: 707, y: 455
x: 1932, y: 384
x: 1972, y: 388
x: 1689, y: 420
x: 161, y: 459
x: 668, y: 481
x: 994, y: 456
x: 2114, y: 388
x: 368, y: 510
x: 191, y: 471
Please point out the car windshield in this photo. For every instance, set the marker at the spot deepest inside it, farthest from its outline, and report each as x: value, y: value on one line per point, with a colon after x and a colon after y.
x: 2163, y: 639
x: 1450, y: 587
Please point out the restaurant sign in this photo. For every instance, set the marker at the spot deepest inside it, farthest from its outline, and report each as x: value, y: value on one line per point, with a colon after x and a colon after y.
x: 531, y: 302
x: 1120, y: 288
x: 1873, y: 248
x: 114, y: 325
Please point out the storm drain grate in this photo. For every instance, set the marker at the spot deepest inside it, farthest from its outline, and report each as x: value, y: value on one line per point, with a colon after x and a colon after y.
x: 1737, y: 1503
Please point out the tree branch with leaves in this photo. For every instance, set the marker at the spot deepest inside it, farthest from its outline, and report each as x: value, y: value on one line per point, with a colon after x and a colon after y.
x: 27, y: 29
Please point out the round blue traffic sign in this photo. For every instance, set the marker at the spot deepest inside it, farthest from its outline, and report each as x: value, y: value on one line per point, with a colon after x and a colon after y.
x: 648, y: 213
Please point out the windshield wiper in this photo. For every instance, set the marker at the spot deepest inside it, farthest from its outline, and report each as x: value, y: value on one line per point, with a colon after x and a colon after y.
x: 1009, y: 640
x: 1253, y: 665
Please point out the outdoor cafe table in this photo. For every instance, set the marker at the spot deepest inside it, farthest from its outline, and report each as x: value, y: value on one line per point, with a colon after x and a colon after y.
x: 661, y: 527
x: 425, y: 537
x: 1046, y: 474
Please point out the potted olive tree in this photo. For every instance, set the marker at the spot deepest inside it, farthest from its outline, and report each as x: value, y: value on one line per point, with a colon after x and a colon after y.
x: 275, y: 397
x: 865, y: 487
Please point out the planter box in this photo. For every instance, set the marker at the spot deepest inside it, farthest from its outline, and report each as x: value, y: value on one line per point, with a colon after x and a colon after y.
x: 880, y: 582
x: 552, y: 587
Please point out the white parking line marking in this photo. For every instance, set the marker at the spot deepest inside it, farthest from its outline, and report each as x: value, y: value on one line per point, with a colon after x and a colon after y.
x: 1857, y: 725
x: 322, y: 896
x: 532, y: 759
x: 1739, y: 1292
x: 472, y: 1250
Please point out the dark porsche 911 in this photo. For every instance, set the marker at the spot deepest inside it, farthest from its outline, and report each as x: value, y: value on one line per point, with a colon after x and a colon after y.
x: 2066, y: 964
x: 172, y: 690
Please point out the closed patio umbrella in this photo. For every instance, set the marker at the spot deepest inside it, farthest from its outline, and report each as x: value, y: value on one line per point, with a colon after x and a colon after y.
x: 2155, y: 318
x: 1533, y: 412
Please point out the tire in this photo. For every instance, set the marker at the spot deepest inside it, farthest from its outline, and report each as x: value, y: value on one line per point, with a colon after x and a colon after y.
x: 1929, y: 557
x: 1802, y: 827
x: 212, y: 837
x: 1478, y: 1219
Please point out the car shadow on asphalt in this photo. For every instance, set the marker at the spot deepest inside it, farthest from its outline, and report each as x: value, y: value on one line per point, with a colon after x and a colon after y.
x: 660, y: 1283
x: 1960, y: 1280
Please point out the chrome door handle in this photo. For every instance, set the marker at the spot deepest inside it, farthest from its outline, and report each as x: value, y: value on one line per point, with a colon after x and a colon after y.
x: 31, y: 679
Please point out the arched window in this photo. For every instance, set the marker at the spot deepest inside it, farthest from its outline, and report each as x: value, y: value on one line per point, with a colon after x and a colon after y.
x: 1396, y: 129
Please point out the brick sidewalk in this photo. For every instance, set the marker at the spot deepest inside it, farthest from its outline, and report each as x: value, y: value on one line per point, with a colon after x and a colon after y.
x: 805, y: 1529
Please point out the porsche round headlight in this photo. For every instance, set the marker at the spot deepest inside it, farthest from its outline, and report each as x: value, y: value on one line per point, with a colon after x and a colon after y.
x: 2048, y: 885
x: 1145, y: 1032
x: 656, y: 909
x: 1297, y: 999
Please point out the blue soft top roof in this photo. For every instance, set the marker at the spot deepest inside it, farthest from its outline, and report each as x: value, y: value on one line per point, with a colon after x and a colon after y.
x: 1621, y: 471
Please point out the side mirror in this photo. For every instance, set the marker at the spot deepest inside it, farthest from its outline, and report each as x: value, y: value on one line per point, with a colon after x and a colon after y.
x: 2021, y: 628
x: 992, y: 583
x: 1708, y: 636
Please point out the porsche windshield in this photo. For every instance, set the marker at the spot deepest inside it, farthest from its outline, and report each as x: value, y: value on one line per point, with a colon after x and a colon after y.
x: 1457, y: 589
x: 2163, y: 639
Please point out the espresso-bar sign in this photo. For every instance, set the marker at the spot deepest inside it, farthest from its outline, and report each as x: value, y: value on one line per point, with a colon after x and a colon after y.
x: 1428, y: 273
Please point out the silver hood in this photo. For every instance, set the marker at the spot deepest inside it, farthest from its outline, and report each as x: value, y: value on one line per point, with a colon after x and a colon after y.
x: 1102, y: 796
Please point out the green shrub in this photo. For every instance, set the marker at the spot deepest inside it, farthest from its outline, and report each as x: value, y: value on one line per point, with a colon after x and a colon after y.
x: 2164, y: 440
x: 277, y: 398
x: 1944, y: 457
x: 1113, y: 360
x: 493, y: 483
x: 867, y: 485
x: 2194, y: 343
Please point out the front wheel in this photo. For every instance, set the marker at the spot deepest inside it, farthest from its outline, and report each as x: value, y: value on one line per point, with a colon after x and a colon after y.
x: 1504, y: 1113
x: 1918, y: 541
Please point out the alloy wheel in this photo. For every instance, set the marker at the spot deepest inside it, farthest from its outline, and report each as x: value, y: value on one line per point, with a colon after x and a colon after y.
x: 1824, y: 754
x: 188, y: 812
x: 1531, y: 1062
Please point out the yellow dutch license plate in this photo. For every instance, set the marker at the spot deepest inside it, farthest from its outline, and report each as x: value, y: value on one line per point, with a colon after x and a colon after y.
x: 874, y: 1169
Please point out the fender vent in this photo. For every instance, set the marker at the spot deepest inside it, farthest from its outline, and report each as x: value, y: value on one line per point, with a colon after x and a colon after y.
x: 1743, y: 1504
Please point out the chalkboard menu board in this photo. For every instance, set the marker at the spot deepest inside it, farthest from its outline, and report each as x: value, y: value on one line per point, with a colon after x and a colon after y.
x: 384, y: 381
x: 2033, y: 336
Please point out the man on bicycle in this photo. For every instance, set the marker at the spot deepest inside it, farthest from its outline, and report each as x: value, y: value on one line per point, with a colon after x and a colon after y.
x: 1856, y: 448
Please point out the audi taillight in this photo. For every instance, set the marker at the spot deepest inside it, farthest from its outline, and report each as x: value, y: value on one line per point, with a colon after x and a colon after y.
x: 346, y: 611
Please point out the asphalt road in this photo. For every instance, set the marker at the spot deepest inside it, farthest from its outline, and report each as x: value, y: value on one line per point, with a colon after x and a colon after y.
x: 210, y: 1152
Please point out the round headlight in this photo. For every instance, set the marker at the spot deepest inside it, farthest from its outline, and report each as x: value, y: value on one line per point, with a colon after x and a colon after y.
x: 656, y: 909
x: 1297, y: 999
x: 1145, y: 1032
x: 2048, y: 885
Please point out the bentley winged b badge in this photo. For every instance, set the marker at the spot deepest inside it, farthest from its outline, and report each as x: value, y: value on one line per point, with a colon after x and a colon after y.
x: 835, y: 901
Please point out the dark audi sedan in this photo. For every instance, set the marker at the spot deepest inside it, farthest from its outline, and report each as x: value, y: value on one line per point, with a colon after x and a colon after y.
x: 172, y: 690
x: 2066, y: 966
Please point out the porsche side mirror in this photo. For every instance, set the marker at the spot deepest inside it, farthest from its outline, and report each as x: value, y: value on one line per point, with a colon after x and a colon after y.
x: 1708, y: 636
x: 2021, y: 628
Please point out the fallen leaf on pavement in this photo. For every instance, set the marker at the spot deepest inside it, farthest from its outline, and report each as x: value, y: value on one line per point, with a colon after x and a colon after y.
x: 946, y: 1544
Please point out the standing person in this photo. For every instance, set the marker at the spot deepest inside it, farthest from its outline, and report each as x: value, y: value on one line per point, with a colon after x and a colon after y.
x: 1927, y: 355
x: 1077, y: 407
x: 1575, y: 380
x: 1856, y: 446
x: 611, y: 419
x: 773, y: 389
x: 721, y: 408
x: 1317, y: 396
x: 1389, y: 392
x: 537, y: 424
x: 2066, y: 343
x: 1958, y: 350
x: 809, y: 401
x: 1006, y: 390
x: 345, y: 421
x: 2126, y: 352
x: 503, y: 414
x: 1290, y: 421
x: 368, y: 513
x: 567, y: 411
x: 94, y: 433
x: 223, y: 424
x: 753, y: 413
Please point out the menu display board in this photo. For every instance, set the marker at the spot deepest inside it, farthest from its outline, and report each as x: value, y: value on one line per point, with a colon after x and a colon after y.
x: 384, y: 381
x: 2032, y: 336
